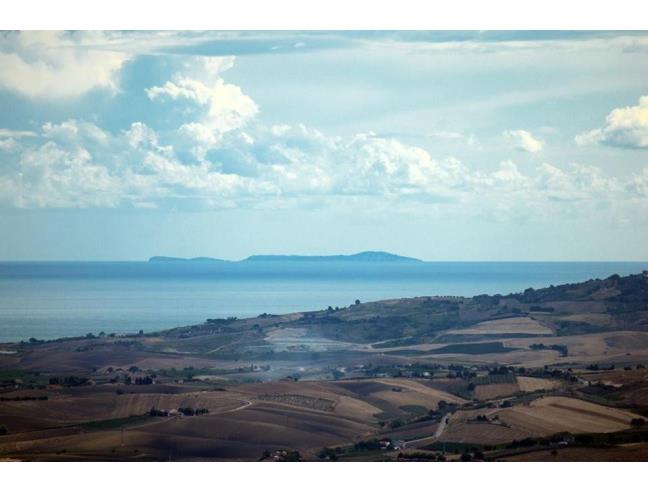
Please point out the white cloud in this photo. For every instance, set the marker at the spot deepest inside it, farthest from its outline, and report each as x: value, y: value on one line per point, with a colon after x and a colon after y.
x: 577, y: 182
x: 8, y: 144
x: 624, y: 127
x: 280, y: 165
x: 524, y: 140
x: 9, y: 139
x: 5, y: 132
x: 639, y: 184
x: 509, y: 174
x: 237, y: 161
x: 50, y: 176
x: 73, y: 130
x: 227, y: 108
x: 55, y: 64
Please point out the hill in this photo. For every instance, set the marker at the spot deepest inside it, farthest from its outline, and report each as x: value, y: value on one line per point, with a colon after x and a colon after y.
x: 555, y: 370
x: 365, y: 256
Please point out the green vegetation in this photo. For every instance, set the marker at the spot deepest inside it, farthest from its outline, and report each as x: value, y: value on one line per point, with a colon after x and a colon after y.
x: 118, y: 423
x: 561, y: 349
x: 507, y: 378
x: 473, y: 348
x: 415, y: 409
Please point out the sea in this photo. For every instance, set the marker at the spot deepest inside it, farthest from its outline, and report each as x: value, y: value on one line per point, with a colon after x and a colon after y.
x: 47, y: 300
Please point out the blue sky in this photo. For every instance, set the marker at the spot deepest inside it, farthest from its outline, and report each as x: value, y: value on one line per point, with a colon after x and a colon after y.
x: 440, y: 145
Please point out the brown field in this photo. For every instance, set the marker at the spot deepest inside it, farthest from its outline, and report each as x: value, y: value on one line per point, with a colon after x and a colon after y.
x: 478, y: 433
x: 508, y: 326
x: 242, y: 423
x: 74, y: 409
x: 412, y: 431
x: 489, y: 391
x: 535, y: 384
x: 553, y: 414
x: 597, y: 319
x: 628, y: 452
x: 612, y: 347
x: 618, y: 378
x: 241, y: 434
x: 578, y: 307
x: 544, y: 416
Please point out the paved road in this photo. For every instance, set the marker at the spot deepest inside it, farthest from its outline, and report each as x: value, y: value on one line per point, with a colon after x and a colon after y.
x: 442, y: 425
x: 437, y: 433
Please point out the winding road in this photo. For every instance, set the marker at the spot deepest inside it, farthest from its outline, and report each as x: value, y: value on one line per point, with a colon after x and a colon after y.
x: 436, y: 435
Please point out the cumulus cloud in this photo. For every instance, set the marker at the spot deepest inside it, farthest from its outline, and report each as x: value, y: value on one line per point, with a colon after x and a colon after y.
x: 8, y: 144
x: 237, y: 161
x: 226, y: 107
x: 56, y: 64
x: 73, y: 130
x: 9, y: 139
x: 277, y: 165
x: 576, y: 182
x: 50, y: 176
x: 524, y: 140
x: 624, y: 127
x: 638, y: 184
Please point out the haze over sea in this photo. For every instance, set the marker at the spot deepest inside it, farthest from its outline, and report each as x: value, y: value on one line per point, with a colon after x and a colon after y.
x: 57, y: 299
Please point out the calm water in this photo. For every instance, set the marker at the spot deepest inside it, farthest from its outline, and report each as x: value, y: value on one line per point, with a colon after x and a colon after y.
x: 55, y: 299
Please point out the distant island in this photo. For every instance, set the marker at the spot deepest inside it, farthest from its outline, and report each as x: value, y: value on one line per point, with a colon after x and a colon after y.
x: 368, y: 256
x: 378, y: 256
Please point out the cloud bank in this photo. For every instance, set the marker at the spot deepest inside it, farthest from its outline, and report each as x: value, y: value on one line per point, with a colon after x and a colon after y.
x: 223, y: 156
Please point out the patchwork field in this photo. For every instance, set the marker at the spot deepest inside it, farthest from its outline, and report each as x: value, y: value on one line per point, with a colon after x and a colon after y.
x: 489, y: 391
x: 627, y: 452
x: 353, y: 383
x: 542, y: 417
x: 552, y: 414
x: 507, y: 326
x: 526, y: 383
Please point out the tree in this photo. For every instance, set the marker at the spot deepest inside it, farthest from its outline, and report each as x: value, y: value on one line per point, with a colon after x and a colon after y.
x: 3, y: 430
x: 357, y: 302
x: 292, y: 456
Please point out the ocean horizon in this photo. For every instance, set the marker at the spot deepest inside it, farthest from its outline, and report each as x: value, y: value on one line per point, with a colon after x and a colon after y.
x: 53, y: 299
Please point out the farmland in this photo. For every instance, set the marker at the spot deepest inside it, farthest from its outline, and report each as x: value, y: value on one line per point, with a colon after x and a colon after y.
x: 510, y: 377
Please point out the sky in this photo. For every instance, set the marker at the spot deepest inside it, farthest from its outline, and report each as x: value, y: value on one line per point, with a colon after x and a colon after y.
x: 466, y: 146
